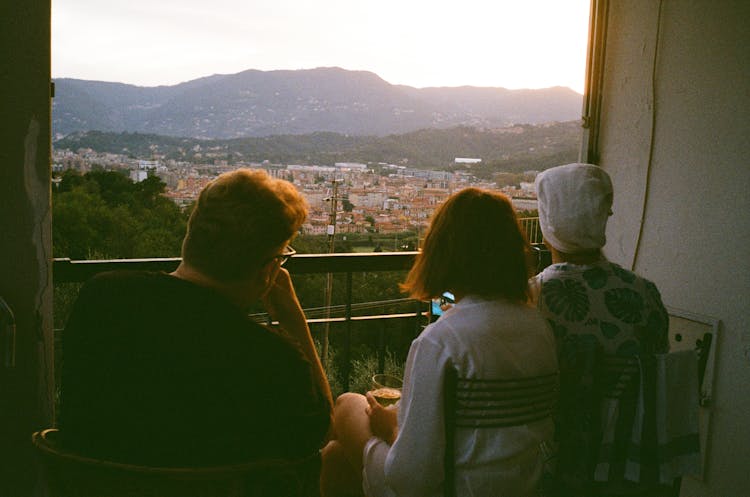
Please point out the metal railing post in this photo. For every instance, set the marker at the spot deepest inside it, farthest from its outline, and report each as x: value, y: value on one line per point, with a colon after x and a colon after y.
x: 381, y: 346
x: 348, y: 332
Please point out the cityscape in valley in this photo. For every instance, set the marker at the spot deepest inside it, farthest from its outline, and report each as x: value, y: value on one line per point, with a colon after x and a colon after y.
x: 370, y: 157
x: 375, y: 198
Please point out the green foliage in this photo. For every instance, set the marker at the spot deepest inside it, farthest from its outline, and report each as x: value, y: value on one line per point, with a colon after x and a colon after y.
x: 103, y: 214
x: 311, y: 244
x: 516, y: 148
x: 333, y: 372
x: 533, y: 160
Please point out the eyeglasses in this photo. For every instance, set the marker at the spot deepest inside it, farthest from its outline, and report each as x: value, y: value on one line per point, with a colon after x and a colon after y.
x: 285, y: 255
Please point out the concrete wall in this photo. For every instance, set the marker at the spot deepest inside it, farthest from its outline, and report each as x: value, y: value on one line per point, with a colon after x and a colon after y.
x: 25, y: 237
x: 675, y: 136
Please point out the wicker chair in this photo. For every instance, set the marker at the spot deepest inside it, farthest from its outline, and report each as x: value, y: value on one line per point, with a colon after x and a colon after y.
x: 75, y: 475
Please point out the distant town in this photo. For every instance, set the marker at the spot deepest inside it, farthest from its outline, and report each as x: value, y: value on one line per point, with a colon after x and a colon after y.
x: 354, y: 197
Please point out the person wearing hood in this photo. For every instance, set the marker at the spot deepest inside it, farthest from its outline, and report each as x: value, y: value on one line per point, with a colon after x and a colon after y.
x: 593, y: 305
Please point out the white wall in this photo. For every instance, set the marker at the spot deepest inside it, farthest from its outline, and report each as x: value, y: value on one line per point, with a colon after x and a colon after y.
x: 696, y: 230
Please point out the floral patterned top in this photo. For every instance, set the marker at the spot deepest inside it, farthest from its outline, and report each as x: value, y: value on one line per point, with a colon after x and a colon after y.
x: 605, y: 303
x: 596, y: 310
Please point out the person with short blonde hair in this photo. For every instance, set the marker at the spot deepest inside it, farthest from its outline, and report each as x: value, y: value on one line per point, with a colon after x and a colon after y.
x: 475, y: 249
x: 240, y: 218
x: 169, y: 370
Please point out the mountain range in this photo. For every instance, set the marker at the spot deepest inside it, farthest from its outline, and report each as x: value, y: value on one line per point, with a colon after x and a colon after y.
x: 256, y: 103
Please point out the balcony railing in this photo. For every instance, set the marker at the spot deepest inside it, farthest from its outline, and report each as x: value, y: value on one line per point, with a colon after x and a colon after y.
x: 66, y: 270
x: 530, y: 226
x: 69, y: 271
x: 78, y: 271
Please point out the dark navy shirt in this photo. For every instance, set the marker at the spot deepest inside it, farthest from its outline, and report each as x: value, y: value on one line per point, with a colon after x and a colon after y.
x: 158, y: 370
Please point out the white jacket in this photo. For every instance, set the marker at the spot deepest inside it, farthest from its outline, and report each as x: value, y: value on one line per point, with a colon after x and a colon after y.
x: 483, y: 339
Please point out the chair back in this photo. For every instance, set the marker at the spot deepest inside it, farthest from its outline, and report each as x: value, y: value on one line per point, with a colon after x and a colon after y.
x: 69, y: 474
x: 490, y: 404
x: 593, y: 386
x: 624, y: 419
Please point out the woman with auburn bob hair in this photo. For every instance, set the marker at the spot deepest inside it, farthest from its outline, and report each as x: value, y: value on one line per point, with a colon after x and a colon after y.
x: 475, y: 249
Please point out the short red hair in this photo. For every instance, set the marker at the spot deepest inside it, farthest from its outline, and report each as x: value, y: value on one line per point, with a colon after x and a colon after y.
x: 239, y: 220
x: 474, y: 246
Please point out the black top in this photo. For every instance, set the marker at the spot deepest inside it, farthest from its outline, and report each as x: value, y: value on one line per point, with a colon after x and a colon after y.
x: 160, y: 371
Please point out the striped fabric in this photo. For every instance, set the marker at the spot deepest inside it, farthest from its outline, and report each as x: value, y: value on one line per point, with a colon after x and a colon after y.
x: 626, y: 419
x: 493, y: 403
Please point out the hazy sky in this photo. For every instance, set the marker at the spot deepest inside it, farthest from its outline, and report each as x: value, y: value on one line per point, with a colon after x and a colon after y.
x: 521, y: 44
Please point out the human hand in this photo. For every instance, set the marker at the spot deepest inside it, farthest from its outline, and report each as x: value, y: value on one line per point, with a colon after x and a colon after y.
x: 383, y: 422
x: 280, y: 300
x: 282, y: 304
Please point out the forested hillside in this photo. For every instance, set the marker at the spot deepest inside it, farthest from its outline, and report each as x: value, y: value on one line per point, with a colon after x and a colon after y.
x: 515, y: 148
x: 266, y: 103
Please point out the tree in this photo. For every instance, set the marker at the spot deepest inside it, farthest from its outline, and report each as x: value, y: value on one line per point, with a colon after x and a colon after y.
x: 103, y: 214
